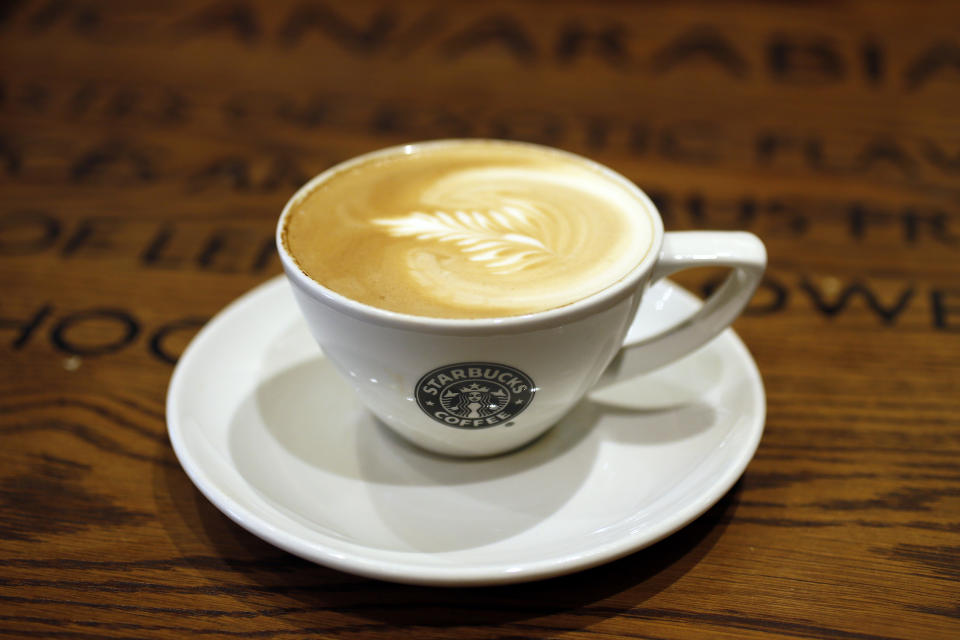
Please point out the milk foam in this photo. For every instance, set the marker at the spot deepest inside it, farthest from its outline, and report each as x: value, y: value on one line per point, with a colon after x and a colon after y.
x: 470, y: 230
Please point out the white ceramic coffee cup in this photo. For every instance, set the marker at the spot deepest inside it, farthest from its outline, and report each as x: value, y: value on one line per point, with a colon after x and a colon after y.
x: 533, y: 368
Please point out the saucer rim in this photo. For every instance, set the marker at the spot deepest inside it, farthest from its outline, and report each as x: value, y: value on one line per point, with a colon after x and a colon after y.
x: 401, y: 566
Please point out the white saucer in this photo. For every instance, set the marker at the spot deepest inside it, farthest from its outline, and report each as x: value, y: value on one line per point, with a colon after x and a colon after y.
x: 277, y: 441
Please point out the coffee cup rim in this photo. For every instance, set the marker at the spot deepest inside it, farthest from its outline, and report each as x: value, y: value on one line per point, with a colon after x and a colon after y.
x: 590, y: 305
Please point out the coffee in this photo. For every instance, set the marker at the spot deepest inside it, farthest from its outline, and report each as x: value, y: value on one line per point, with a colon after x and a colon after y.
x: 468, y: 229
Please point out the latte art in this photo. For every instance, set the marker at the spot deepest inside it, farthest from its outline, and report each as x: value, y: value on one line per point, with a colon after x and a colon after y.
x: 489, y: 237
x: 497, y: 227
x: 469, y: 230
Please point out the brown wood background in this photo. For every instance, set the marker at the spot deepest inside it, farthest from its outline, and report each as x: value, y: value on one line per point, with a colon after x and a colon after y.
x: 147, y: 148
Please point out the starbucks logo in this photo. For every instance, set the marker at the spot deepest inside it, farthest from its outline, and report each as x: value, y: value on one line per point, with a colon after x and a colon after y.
x: 474, y: 395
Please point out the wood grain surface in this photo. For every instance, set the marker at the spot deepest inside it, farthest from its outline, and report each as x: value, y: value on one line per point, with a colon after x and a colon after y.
x: 147, y: 148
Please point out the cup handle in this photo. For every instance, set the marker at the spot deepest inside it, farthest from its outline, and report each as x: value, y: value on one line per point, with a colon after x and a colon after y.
x: 747, y: 257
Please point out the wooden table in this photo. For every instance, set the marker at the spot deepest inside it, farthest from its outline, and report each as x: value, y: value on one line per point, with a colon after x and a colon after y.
x: 145, y: 152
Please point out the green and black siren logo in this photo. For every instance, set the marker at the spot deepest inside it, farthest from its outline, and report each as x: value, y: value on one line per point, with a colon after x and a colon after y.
x: 474, y: 395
